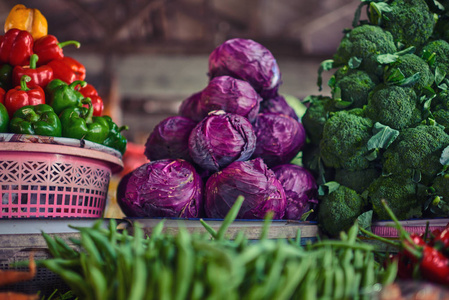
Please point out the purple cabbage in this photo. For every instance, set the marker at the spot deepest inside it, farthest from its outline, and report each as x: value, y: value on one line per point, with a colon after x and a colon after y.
x: 162, y: 188
x: 248, y: 60
x: 254, y: 181
x: 170, y: 139
x: 278, y: 105
x: 231, y: 95
x: 300, y: 189
x: 190, y: 107
x: 279, y: 138
x: 220, y: 139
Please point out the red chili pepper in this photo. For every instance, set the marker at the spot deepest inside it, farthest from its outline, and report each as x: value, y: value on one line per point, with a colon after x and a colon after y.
x: 48, y: 48
x: 434, y: 266
x: 405, y: 265
x: 417, y: 240
x: 40, y: 76
x: 97, y: 102
x: 23, y: 95
x: 67, y: 69
x: 16, y: 47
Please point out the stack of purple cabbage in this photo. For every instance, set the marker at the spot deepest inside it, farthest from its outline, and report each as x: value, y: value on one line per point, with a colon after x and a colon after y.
x: 235, y: 137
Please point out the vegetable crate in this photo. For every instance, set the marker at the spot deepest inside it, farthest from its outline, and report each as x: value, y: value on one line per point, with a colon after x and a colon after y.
x: 39, y: 180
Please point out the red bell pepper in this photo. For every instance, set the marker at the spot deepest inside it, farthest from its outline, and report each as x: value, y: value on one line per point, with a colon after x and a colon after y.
x: 40, y: 76
x: 67, y: 69
x: 23, y: 95
x: 16, y: 47
x: 2, y: 95
x: 97, y: 102
x: 48, y: 48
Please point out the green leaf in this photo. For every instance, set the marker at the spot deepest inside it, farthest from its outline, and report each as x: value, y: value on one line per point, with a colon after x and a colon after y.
x: 306, y: 215
x: 387, y: 58
x: 377, y: 10
x: 439, y: 75
x: 325, y: 65
x: 373, y: 155
x: 354, y: 62
x: 383, y: 137
x: 409, y: 50
x: 410, y: 80
x: 364, y: 220
x: 331, y: 186
x: 429, y: 57
x: 443, y: 87
x: 395, y: 76
x: 444, y: 158
x: 358, y: 12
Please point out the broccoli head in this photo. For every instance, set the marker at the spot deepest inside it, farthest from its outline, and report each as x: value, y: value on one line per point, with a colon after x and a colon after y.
x: 441, y: 116
x: 339, y: 209
x: 315, y: 116
x: 345, y: 135
x: 407, y: 66
x: 417, y: 149
x: 365, y: 42
x: 410, y: 22
x: 358, y: 180
x: 394, y: 106
x: 404, y: 196
x: 441, y: 50
x: 352, y: 86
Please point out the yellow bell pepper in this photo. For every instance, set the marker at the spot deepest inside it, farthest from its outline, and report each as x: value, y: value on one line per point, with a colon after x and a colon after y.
x: 29, y: 19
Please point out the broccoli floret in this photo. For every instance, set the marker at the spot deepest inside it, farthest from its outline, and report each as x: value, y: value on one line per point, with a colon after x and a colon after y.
x: 404, y: 196
x: 345, y: 135
x: 408, y: 66
x: 315, y: 116
x: 416, y: 151
x: 365, y: 43
x: 352, y: 86
x: 441, y: 116
x: 410, y: 22
x: 394, y: 106
x: 359, y: 180
x: 339, y: 209
x: 441, y: 50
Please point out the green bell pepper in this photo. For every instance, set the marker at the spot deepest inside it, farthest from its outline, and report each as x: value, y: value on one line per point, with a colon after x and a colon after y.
x: 79, y: 123
x: 6, y: 77
x: 115, y: 139
x: 61, y: 95
x: 36, y: 119
x: 4, y: 118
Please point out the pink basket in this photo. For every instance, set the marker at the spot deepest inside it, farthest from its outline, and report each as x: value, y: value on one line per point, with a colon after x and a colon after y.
x: 54, y: 181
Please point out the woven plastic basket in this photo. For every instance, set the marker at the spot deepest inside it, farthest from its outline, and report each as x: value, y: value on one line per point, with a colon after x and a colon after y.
x: 41, y: 180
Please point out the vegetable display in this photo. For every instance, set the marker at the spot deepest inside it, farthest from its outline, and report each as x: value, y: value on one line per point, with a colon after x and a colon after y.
x: 34, y: 71
x: 108, y: 264
x: 233, y: 132
x: 382, y: 133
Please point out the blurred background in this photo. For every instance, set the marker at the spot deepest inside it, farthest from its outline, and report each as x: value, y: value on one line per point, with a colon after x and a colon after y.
x: 146, y: 56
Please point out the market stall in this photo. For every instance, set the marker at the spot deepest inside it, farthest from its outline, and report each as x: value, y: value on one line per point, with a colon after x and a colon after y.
x: 245, y: 193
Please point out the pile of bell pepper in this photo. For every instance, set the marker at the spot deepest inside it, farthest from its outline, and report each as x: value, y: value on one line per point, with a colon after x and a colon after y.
x: 44, y: 92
